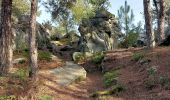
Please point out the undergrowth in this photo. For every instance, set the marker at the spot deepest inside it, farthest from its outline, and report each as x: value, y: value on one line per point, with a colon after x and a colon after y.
x: 137, y: 56
x: 42, y: 55
x: 110, y: 78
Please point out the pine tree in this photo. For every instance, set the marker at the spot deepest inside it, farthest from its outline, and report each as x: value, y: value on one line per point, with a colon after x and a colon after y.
x: 161, y: 18
x: 32, y: 41
x: 6, y: 37
x: 126, y: 18
x: 148, y: 24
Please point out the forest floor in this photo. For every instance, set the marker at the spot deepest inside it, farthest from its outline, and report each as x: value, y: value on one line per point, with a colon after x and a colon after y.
x: 145, y: 75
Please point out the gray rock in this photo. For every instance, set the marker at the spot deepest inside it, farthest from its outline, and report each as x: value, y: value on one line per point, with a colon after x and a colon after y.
x: 19, y: 60
x: 77, y: 54
x: 144, y: 61
x: 54, y: 58
x: 68, y: 74
x: 22, y: 30
x: 103, y: 29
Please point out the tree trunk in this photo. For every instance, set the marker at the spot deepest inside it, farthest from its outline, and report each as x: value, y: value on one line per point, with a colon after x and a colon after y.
x: 161, y: 18
x: 148, y: 24
x: 32, y: 41
x: 6, y: 37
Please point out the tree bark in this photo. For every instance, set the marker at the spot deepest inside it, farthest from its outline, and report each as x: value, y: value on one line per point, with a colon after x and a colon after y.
x: 161, y: 18
x: 32, y: 41
x: 6, y: 37
x: 148, y: 24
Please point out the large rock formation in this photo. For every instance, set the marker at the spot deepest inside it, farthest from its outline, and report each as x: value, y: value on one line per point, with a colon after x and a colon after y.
x: 100, y: 32
x: 22, y: 30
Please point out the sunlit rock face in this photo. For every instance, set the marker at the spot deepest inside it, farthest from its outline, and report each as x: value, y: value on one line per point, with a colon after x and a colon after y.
x: 22, y: 29
x: 100, y: 32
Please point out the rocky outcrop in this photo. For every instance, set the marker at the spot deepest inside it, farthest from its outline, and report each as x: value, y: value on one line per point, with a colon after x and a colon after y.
x: 100, y: 32
x: 67, y: 75
x: 22, y: 31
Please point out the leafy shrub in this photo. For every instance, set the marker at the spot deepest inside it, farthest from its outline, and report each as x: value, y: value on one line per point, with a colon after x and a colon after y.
x: 137, y: 56
x: 110, y: 78
x: 21, y: 74
x: 46, y: 97
x: 114, y: 90
x: 164, y: 81
x: 152, y: 71
x: 130, y: 40
x: 12, y: 97
x: 44, y: 55
x: 152, y: 81
x: 117, y: 89
x: 98, y: 57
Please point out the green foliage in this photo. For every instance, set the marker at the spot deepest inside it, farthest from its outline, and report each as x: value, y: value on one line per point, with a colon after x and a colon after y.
x: 126, y: 18
x: 98, y: 4
x: 25, y: 53
x: 81, y: 11
x: 110, y: 78
x: 97, y: 58
x: 152, y: 71
x: 137, y: 56
x: 46, y: 97
x: 164, y: 81
x: 44, y: 55
x: 129, y: 40
x: 114, y: 90
x: 20, y: 7
x: 21, y: 73
x: 12, y: 97
x: 117, y: 89
x: 152, y: 81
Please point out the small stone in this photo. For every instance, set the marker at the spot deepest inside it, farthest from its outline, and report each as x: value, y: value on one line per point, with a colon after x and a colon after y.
x: 144, y: 61
x: 19, y: 60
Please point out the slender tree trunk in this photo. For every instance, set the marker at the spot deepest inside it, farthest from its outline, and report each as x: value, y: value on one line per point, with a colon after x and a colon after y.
x: 6, y: 37
x: 126, y: 20
x: 148, y: 24
x: 32, y: 41
x: 161, y: 18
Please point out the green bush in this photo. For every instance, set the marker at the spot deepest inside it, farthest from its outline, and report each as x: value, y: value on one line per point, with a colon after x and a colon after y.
x: 110, y: 78
x: 12, y: 97
x: 46, y: 97
x: 152, y: 71
x: 117, y: 89
x: 137, y: 56
x: 114, y: 90
x: 97, y: 58
x: 164, y: 81
x: 129, y: 40
x: 21, y: 74
x: 44, y: 55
